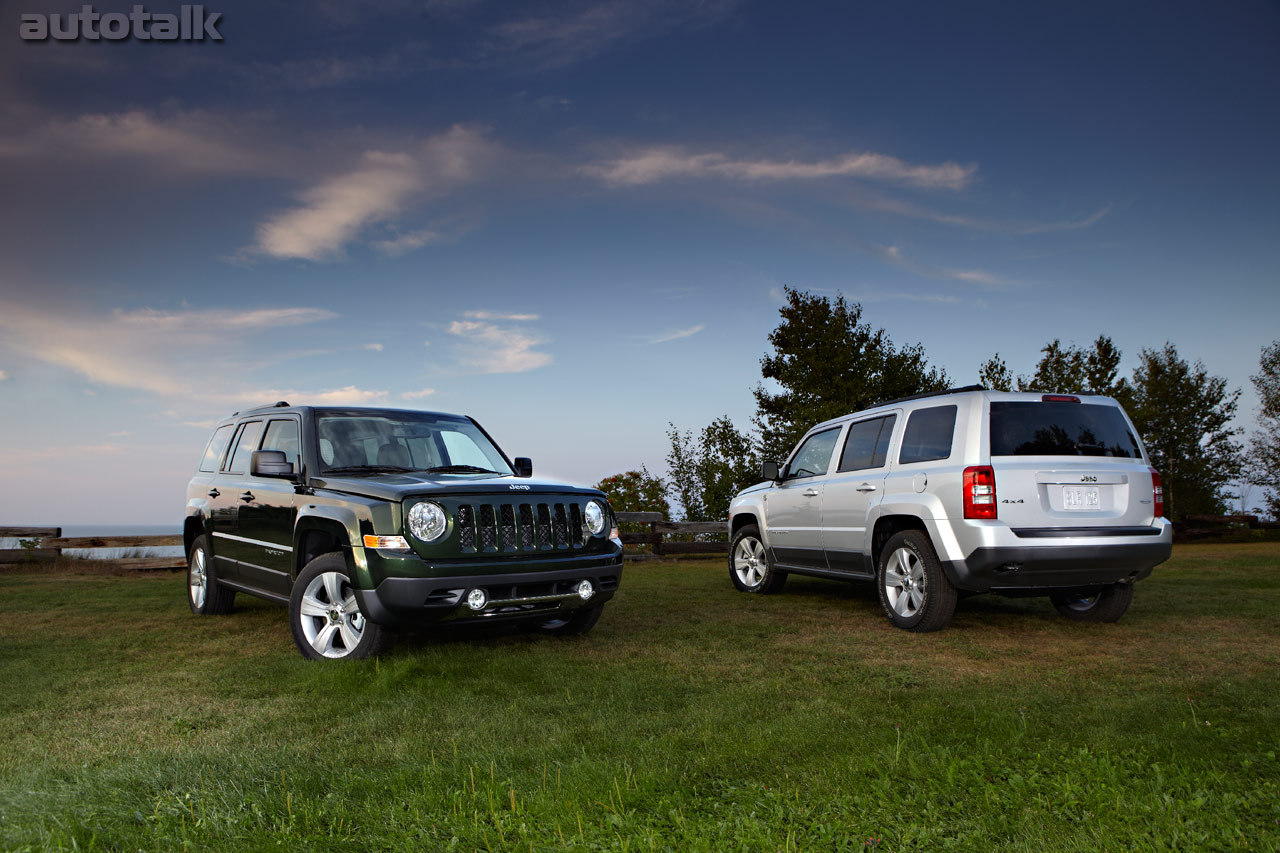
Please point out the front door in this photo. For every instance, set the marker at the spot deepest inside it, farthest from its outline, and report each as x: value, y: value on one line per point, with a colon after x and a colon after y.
x: 793, y: 507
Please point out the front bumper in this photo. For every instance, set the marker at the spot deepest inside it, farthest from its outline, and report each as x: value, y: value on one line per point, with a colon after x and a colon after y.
x: 513, y: 596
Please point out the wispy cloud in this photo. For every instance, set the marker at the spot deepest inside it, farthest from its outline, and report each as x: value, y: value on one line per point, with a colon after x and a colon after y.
x: 406, y: 243
x: 374, y: 347
x: 417, y: 395
x: 333, y: 212
x: 678, y: 334
x: 492, y: 348
x: 660, y: 163
x: 495, y: 315
x: 915, y: 211
x: 3, y: 376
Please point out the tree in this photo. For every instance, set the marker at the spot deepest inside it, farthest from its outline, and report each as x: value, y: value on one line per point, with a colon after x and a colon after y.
x: 994, y: 374
x: 1184, y: 416
x: 829, y: 363
x: 707, y: 472
x: 1264, y: 450
x: 1072, y: 368
x: 636, y: 491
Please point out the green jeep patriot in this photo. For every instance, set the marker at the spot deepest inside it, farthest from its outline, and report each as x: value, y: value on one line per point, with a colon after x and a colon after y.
x: 364, y: 519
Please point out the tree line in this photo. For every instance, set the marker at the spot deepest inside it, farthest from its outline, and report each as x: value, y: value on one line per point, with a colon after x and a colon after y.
x: 827, y: 361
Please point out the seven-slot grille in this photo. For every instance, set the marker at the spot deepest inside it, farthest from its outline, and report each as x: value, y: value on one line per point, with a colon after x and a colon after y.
x: 514, y: 527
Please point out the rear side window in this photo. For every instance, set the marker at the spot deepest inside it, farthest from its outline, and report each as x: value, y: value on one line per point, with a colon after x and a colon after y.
x: 1034, y: 428
x: 928, y: 435
x: 867, y: 444
x: 217, y: 444
x: 245, y: 445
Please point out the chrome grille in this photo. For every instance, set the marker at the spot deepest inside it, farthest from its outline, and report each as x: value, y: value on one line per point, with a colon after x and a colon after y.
x: 577, y: 529
x: 561, y: 527
x: 526, y: 527
x: 509, y: 528
x: 508, y: 515
x: 544, y: 526
x: 487, y: 525
x: 466, y: 528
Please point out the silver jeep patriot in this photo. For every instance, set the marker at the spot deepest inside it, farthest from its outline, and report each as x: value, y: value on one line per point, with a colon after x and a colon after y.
x: 962, y: 491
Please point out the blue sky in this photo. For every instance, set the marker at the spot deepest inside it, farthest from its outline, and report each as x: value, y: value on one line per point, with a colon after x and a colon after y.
x: 574, y: 220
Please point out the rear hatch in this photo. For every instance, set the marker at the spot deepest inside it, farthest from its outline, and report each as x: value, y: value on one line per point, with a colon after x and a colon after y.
x: 1066, y: 462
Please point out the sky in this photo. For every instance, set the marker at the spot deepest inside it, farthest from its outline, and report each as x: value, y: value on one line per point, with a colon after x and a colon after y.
x: 573, y: 221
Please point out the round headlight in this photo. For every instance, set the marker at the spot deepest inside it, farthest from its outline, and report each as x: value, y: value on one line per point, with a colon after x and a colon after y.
x: 427, y: 521
x: 594, y: 515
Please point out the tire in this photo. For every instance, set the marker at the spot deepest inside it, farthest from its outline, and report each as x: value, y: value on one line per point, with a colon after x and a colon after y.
x: 1094, y: 605
x: 915, y: 592
x: 579, y: 623
x: 205, y: 595
x: 325, y: 616
x: 750, y: 568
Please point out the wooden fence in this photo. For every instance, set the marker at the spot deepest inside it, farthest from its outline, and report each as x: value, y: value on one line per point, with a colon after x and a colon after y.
x: 659, y: 529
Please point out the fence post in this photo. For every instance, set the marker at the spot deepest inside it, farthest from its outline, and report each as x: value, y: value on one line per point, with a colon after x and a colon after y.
x: 655, y: 539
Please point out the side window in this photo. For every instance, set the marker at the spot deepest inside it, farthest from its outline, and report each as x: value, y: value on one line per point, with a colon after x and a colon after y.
x: 928, y: 435
x: 245, y: 445
x: 463, y: 451
x: 867, y: 444
x: 814, y: 455
x: 217, y: 444
x: 282, y: 435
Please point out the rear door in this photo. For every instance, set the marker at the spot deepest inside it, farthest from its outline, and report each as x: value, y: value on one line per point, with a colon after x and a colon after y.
x: 267, y: 509
x: 231, y: 485
x: 793, y: 507
x: 850, y: 493
x: 1068, y: 465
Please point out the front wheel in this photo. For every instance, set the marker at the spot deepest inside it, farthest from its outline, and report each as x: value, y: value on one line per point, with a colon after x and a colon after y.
x: 325, y: 617
x: 749, y: 565
x: 1094, y: 605
x: 915, y: 592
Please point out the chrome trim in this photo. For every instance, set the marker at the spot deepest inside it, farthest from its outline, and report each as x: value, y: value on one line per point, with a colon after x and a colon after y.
x: 249, y: 541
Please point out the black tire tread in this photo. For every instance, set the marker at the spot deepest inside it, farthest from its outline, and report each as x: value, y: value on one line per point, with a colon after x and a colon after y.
x: 1113, y: 602
x: 219, y: 600
x: 377, y: 638
x: 940, y: 594
x: 773, y: 578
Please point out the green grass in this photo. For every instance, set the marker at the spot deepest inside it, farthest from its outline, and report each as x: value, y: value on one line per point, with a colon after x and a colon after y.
x: 692, y: 718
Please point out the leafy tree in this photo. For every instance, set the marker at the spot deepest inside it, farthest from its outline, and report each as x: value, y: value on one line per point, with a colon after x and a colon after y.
x: 1095, y: 370
x: 1264, y: 451
x: 636, y: 491
x: 994, y: 374
x: 1184, y: 415
x: 829, y: 363
x: 707, y: 472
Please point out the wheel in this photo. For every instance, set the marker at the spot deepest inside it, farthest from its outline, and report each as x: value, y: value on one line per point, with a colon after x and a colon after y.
x: 325, y: 617
x: 1094, y: 605
x: 749, y: 566
x: 914, y: 591
x: 580, y: 622
x: 205, y: 595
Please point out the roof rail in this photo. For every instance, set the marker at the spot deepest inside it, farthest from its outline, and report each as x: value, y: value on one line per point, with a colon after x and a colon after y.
x: 933, y: 394
x: 280, y: 405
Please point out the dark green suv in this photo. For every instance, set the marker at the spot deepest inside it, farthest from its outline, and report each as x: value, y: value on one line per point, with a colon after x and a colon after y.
x: 364, y: 519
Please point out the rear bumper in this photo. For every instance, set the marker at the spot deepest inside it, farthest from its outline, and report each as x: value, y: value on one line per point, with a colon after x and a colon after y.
x: 1058, y: 566
x: 513, y: 597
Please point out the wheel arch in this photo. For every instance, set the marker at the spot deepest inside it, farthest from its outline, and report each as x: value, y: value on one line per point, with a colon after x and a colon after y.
x: 318, y: 534
x: 741, y: 519
x: 888, y: 526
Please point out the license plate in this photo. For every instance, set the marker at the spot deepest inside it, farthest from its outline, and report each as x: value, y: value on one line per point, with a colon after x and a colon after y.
x: 1081, y: 497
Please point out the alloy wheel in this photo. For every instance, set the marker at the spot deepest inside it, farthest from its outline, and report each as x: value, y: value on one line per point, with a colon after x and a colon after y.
x: 198, y: 579
x: 749, y: 561
x: 331, y: 618
x: 904, y: 584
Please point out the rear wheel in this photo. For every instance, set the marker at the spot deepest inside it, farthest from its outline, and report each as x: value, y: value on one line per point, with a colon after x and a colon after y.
x: 580, y: 622
x: 205, y: 595
x: 1094, y: 605
x: 915, y: 592
x: 749, y: 566
x: 325, y: 617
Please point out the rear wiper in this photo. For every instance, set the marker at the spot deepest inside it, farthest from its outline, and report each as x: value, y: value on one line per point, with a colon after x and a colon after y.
x: 369, y: 469
x: 460, y: 469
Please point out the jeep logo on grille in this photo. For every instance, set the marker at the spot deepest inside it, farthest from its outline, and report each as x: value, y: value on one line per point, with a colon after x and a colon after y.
x: 1088, y: 479
x: 513, y: 487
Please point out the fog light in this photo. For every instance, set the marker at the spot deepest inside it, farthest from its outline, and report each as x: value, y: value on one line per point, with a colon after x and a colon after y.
x: 477, y: 599
x: 585, y: 590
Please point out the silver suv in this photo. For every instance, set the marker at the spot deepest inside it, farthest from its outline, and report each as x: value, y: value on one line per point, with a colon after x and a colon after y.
x: 961, y: 491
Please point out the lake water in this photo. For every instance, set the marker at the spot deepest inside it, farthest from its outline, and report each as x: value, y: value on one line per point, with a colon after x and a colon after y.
x: 75, y: 530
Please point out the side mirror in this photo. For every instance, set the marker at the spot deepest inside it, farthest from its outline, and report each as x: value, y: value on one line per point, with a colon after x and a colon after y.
x: 270, y: 463
x: 523, y: 466
x: 769, y: 471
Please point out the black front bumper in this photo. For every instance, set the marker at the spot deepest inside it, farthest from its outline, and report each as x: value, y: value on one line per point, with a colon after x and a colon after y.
x: 1020, y: 568
x: 514, y: 597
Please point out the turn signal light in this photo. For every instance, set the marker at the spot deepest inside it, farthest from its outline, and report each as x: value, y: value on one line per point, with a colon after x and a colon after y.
x: 386, y: 543
x: 1157, y: 494
x: 979, y: 492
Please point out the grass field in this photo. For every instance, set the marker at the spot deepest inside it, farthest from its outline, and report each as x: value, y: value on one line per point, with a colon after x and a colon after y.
x: 692, y: 718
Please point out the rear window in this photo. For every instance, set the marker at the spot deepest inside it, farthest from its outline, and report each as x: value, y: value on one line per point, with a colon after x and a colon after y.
x: 867, y: 444
x: 1034, y: 428
x: 928, y: 435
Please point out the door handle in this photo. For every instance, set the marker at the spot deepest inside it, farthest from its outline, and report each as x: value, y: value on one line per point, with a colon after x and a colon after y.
x: 213, y: 493
x: 867, y: 487
x: 810, y: 493
x: 247, y: 497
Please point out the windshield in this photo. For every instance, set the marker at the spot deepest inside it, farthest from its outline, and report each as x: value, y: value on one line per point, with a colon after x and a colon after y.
x: 1060, y: 429
x: 390, y: 442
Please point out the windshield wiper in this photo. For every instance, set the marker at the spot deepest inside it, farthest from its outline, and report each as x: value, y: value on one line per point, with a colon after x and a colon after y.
x: 369, y: 469
x: 460, y: 469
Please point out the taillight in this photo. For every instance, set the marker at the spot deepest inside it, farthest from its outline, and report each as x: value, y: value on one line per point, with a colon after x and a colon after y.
x: 1157, y: 493
x: 979, y: 492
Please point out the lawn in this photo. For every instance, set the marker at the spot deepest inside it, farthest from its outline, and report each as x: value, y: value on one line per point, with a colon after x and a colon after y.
x: 692, y: 718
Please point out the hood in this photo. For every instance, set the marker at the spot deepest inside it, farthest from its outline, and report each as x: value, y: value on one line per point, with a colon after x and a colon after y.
x: 397, y: 487
x: 758, y: 487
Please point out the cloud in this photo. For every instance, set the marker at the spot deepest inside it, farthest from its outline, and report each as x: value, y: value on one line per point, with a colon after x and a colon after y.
x: 494, y: 315
x: 406, y: 243
x: 334, y: 211
x: 649, y: 165
x: 417, y: 395
x: 491, y: 348
x: 3, y: 376
x: 206, y: 424
x: 347, y: 395
x: 374, y: 347
x: 913, y: 211
x: 678, y: 334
